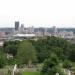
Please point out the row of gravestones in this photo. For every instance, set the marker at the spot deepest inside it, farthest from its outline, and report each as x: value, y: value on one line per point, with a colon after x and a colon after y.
x: 16, y: 72
x: 65, y: 71
x: 13, y: 72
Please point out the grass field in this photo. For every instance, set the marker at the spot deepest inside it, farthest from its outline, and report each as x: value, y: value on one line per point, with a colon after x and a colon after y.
x: 31, y: 73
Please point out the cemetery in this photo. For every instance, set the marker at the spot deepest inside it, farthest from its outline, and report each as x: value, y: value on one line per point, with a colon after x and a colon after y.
x: 48, y: 56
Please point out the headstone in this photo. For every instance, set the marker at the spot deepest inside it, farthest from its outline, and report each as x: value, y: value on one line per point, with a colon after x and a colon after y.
x: 14, y: 70
x: 57, y: 73
x: 69, y: 72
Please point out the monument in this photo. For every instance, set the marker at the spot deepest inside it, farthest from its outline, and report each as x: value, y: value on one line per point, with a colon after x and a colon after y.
x: 14, y: 70
x: 57, y: 74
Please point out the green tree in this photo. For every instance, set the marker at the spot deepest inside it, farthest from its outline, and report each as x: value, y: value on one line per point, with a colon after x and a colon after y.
x: 2, y: 59
x: 26, y: 53
x: 62, y: 48
x: 52, y: 65
x: 11, y: 47
x: 67, y: 64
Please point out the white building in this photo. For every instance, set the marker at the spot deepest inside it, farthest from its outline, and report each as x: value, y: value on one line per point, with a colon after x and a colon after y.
x: 23, y: 36
x: 21, y: 29
x: 66, y: 34
x: 31, y: 30
x: 55, y: 30
x: 1, y: 43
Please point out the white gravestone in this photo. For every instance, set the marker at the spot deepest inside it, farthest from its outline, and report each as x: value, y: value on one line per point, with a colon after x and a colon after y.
x: 14, y: 70
x: 57, y: 73
x: 69, y: 72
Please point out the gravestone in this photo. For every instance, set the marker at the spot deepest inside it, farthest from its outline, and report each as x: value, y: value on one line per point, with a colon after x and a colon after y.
x: 57, y: 74
x: 14, y: 70
x: 67, y: 72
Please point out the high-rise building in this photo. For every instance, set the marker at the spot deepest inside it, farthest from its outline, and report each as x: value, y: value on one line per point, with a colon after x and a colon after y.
x: 21, y: 28
x: 16, y: 25
x: 31, y: 29
x: 55, y: 30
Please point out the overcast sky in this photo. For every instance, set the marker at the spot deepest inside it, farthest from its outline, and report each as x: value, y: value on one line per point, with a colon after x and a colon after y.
x: 60, y: 13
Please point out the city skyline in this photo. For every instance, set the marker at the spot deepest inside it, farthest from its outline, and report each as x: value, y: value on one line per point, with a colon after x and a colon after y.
x: 12, y: 25
x: 38, y: 13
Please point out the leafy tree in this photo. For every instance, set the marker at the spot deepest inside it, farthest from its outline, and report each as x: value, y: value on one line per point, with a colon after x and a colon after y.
x: 2, y: 59
x: 52, y: 65
x: 72, y: 52
x: 67, y: 64
x: 41, y: 49
x: 62, y: 48
x: 26, y: 53
x: 11, y: 47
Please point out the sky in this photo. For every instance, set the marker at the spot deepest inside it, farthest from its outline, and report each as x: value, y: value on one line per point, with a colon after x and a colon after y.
x: 37, y: 13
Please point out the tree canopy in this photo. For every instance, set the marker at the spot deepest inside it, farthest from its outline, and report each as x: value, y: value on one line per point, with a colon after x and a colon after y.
x: 62, y: 48
x: 2, y: 59
x: 26, y: 52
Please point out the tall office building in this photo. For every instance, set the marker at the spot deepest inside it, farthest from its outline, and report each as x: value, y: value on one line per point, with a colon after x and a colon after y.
x: 16, y: 25
x: 21, y: 28
x: 55, y: 30
x: 31, y: 29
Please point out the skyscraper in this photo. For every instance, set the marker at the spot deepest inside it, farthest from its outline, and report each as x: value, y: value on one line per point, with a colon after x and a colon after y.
x: 16, y: 25
x: 21, y: 28
x: 55, y: 30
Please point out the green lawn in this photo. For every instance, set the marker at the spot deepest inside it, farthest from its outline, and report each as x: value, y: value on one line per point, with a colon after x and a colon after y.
x: 31, y: 73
